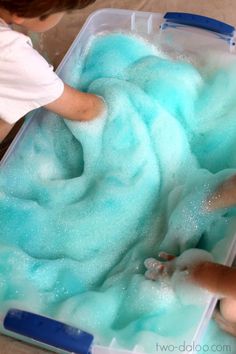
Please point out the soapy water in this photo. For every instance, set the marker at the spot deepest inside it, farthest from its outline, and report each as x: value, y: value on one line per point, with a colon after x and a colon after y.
x: 83, y: 205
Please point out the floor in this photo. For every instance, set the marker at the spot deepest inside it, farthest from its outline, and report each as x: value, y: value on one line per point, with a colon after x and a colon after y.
x: 55, y: 43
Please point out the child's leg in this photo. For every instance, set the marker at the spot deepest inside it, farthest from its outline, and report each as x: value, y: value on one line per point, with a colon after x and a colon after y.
x: 228, y: 309
x: 225, y: 325
x: 7, y: 134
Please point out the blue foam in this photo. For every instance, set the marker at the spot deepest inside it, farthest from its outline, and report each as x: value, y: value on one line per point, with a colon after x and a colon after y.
x: 82, y: 205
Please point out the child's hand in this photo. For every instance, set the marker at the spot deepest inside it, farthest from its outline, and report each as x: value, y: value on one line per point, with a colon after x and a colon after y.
x: 176, y: 273
x: 168, y: 264
x: 196, y: 212
x: 76, y: 105
x: 160, y: 268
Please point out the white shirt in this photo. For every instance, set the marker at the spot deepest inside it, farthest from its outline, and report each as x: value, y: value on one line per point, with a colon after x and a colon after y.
x: 27, y: 81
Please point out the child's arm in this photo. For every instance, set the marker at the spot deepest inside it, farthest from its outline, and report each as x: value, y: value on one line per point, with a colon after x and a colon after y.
x: 76, y: 105
x: 224, y: 197
x: 220, y: 280
x: 216, y: 278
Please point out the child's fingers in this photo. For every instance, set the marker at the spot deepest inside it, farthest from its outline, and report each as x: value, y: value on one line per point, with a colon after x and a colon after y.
x: 157, y: 269
x: 166, y: 256
x: 151, y: 275
x: 154, y: 268
x: 152, y: 264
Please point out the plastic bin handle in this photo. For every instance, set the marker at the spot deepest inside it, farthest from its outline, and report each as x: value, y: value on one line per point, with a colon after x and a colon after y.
x: 48, y: 331
x: 200, y: 22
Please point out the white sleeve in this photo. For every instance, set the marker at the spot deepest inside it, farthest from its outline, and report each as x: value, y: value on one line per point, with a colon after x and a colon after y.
x: 27, y: 81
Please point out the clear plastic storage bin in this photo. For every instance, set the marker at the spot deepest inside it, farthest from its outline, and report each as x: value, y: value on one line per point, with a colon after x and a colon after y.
x: 179, y: 35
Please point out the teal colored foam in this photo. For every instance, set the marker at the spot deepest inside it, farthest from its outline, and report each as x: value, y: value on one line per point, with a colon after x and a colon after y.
x: 82, y: 205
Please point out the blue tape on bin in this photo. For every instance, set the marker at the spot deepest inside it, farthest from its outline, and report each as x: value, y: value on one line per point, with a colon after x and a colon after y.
x: 48, y: 331
x: 200, y: 22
